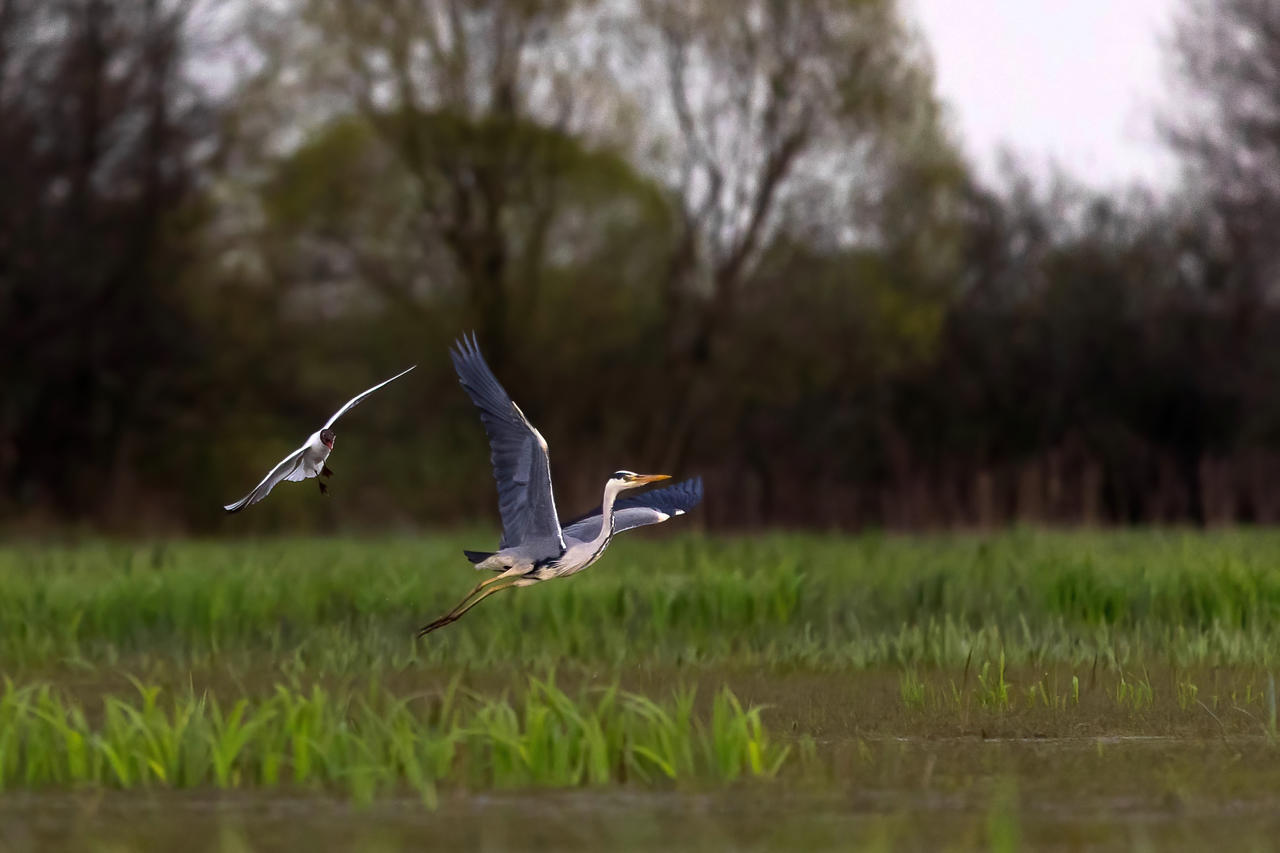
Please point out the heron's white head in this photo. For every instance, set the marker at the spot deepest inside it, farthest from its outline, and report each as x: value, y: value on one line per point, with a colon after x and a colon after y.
x: 624, y: 480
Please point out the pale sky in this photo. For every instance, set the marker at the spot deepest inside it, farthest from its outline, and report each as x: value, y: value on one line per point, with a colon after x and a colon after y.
x: 1077, y: 82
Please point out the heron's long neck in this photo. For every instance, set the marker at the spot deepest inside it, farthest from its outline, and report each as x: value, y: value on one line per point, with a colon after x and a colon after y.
x: 606, y: 517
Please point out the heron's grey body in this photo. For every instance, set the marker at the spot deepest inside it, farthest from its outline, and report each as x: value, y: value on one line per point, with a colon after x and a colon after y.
x: 534, y: 546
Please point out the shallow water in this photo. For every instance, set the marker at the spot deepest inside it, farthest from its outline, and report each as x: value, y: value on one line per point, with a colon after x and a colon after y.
x: 961, y: 793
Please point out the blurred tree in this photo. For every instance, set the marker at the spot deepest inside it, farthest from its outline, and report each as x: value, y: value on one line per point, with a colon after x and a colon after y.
x: 99, y: 128
x: 491, y: 155
x: 1081, y: 334
x: 1225, y: 58
x: 775, y: 122
x: 343, y: 242
x: 1225, y: 126
x: 466, y: 97
x: 732, y: 238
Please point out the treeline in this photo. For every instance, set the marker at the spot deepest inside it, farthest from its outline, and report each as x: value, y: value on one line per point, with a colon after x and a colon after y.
x: 716, y: 237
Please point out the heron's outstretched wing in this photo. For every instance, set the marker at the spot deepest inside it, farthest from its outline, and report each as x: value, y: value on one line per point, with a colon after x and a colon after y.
x: 518, y: 453
x: 649, y: 508
x: 357, y: 399
x: 290, y: 468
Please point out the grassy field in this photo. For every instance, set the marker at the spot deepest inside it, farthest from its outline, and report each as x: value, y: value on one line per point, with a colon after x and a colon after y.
x: 1115, y: 687
x: 343, y: 606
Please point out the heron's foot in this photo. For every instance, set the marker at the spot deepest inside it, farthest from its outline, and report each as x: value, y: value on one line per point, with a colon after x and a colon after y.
x: 324, y: 490
x: 325, y: 472
x: 439, y: 623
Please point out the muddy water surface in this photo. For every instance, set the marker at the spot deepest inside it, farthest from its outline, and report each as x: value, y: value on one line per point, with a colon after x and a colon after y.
x: 960, y: 794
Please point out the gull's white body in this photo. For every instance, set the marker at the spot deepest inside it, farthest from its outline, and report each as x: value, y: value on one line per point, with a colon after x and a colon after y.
x: 308, y: 460
x: 314, y: 453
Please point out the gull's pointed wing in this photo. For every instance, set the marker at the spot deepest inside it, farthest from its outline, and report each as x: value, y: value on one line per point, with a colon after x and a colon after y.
x: 518, y: 453
x: 357, y: 399
x: 649, y: 508
x: 290, y: 468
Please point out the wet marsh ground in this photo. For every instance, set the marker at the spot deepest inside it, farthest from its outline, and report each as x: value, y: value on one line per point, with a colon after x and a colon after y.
x: 1028, y: 689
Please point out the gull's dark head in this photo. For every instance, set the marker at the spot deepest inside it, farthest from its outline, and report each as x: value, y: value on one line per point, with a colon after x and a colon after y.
x: 632, y: 480
x: 326, y: 438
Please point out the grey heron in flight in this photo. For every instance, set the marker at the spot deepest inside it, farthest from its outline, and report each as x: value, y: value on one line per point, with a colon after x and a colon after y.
x: 309, y: 459
x: 535, y: 547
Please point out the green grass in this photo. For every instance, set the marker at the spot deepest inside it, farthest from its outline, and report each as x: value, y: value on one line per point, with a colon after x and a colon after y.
x: 370, y: 742
x: 1142, y: 632
x: 764, y: 692
x: 813, y: 602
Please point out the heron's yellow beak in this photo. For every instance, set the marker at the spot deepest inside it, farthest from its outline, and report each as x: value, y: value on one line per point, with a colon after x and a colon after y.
x: 641, y: 479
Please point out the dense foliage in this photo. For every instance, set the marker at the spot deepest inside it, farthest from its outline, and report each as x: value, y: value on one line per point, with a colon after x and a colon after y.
x: 725, y: 238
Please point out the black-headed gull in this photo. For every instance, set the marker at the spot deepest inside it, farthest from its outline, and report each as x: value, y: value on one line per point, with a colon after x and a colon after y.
x: 309, y: 459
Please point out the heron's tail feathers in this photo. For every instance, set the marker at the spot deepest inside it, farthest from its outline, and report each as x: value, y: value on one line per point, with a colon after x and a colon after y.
x: 478, y: 556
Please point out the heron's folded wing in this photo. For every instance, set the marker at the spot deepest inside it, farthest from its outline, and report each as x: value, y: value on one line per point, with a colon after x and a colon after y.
x: 518, y: 452
x: 357, y: 399
x: 649, y: 508
x: 289, y: 468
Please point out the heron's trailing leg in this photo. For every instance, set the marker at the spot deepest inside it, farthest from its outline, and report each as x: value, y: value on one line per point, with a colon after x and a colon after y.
x: 500, y: 576
x: 325, y: 472
x: 468, y: 602
x: 476, y: 589
x: 324, y: 490
x: 459, y: 608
